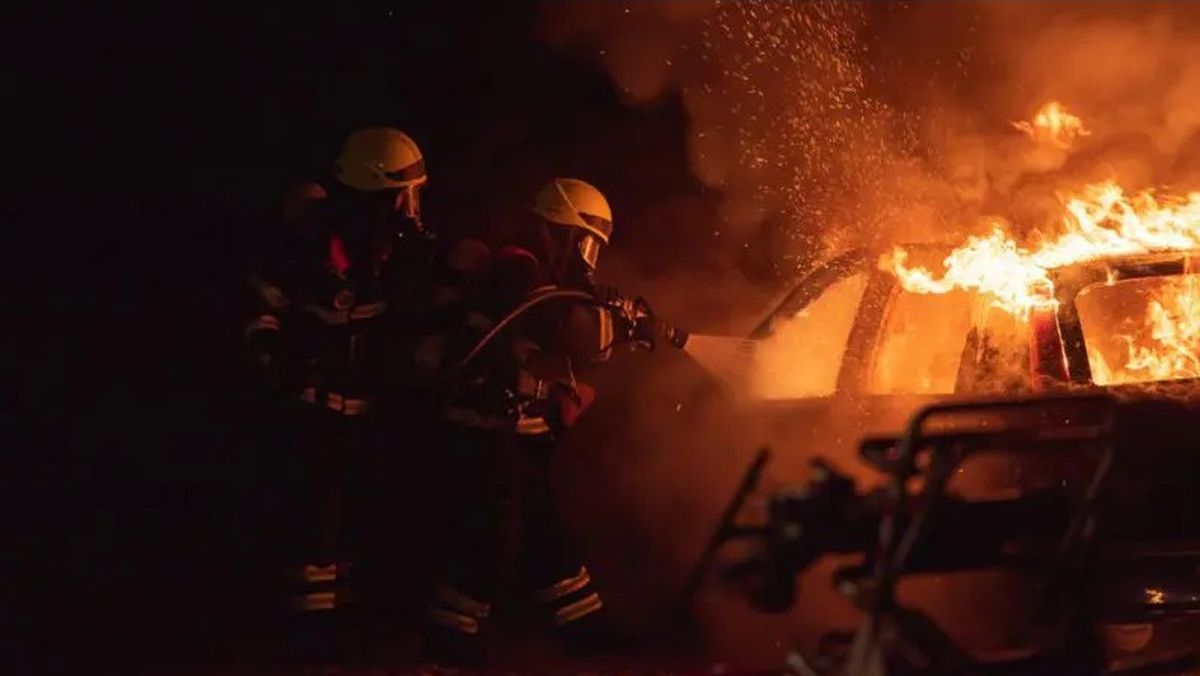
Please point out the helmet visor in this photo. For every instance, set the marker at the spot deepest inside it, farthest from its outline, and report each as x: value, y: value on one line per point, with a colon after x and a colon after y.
x: 408, y: 202
x: 411, y: 174
x: 589, y: 250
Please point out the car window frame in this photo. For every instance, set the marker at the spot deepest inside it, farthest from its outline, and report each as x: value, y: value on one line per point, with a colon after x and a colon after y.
x: 1068, y: 282
x: 865, y: 332
x: 811, y: 287
x: 865, y: 328
x: 859, y: 356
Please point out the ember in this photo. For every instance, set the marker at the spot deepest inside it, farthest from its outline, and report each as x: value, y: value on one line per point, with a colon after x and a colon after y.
x: 1099, y: 220
x: 1054, y: 124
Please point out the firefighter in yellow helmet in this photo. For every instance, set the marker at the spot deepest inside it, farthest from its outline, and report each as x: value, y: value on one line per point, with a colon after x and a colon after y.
x: 384, y: 161
x: 521, y: 394
x: 576, y: 224
x: 339, y: 302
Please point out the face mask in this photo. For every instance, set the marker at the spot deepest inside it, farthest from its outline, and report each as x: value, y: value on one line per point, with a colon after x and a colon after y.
x: 589, y: 250
x: 408, y: 202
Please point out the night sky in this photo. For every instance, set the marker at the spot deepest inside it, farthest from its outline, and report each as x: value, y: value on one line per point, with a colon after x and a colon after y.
x: 151, y: 148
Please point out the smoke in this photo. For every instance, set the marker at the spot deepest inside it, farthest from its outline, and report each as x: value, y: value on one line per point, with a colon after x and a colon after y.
x: 778, y: 117
x: 1126, y: 69
x: 875, y: 123
x: 865, y: 124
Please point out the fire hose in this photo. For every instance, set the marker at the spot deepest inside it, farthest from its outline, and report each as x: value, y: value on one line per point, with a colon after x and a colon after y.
x: 675, y: 336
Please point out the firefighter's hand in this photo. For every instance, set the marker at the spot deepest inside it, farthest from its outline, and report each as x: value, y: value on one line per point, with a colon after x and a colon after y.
x: 572, y: 402
x: 267, y: 352
x: 646, y: 329
x: 627, y: 309
x: 608, y: 295
x: 270, y: 371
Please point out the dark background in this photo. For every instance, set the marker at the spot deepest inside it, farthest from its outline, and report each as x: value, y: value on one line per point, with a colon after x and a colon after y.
x: 149, y: 148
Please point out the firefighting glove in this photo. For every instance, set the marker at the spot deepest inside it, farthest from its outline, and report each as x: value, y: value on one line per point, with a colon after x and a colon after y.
x: 645, y: 329
x: 266, y: 347
x: 566, y: 404
x: 608, y: 295
x: 632, y: 317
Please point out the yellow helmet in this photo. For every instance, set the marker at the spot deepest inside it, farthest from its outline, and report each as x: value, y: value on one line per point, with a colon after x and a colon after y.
x: 577, y: 204
x: 379, y: 158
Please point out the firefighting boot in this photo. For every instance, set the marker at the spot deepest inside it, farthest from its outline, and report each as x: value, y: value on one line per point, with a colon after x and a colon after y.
x: 451, y: 634
x: 319, y: 627
x: 595, y: 635
x: 573, y: 608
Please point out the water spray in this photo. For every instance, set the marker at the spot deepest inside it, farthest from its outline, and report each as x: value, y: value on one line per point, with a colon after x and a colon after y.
x: 729, y: 360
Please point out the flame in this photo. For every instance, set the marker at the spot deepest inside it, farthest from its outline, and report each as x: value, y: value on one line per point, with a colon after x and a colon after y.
x: 993, y: 265
x: 1100, y: 220
x: 1052, y: 123
x: 1174, y: 323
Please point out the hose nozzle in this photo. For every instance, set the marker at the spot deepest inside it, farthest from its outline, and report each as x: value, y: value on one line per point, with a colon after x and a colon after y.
x: 674, y: 336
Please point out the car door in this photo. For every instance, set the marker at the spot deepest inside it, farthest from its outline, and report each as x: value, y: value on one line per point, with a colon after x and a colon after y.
x: 800, y: 354
x: 906, y: 352
x: 862, y: 372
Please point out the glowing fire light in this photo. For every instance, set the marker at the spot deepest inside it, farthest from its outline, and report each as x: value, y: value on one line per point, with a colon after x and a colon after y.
x: 1053, y: 123
x: 1099, y: 220
x: 1159, y: 334
x: 1174, y: 323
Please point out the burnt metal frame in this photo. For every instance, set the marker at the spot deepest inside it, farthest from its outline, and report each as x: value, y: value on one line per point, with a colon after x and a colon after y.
x: 948, y: 451
x: 894, y: 548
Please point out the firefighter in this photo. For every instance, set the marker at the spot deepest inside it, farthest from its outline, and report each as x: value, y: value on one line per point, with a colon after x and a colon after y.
x: 516, y: 400
x: 339, y: 304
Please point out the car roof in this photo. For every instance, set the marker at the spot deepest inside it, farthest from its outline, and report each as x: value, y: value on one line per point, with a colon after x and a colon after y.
x: 1137, y: 260
x: 847, y: 261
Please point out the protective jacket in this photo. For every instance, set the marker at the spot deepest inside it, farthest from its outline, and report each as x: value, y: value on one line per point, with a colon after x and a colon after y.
x: 332, y: 331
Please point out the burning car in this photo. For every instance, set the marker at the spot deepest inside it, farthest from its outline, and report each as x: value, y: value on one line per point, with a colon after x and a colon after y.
x: 1108, y: 305
x: 1116, y: 320
x: 1121, y: 326
x: 1112, y: 300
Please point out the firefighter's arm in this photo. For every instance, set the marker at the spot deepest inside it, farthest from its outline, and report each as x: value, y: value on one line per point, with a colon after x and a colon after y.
x: 566, y: 398
x: 268, y: 300
x: 581, y: 339
x: 588, y: 333
x: 264, y: 330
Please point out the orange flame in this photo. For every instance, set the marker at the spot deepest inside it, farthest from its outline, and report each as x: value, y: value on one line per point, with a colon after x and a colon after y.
x: 1100, y: 220
x: 1052, y: 123
x: 993, y: 265
x: 1174, y: 323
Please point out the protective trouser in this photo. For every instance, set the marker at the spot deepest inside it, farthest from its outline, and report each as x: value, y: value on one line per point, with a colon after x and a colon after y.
x: 317, y: 509
x: 479, y: 489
